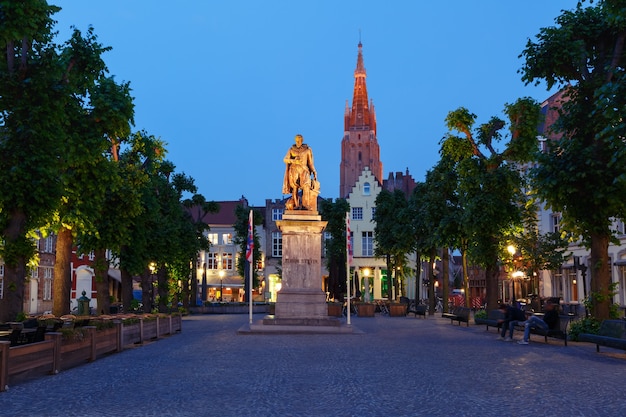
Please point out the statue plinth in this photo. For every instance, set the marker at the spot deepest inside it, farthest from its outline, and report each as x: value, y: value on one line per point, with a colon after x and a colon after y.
x: 301, y: 295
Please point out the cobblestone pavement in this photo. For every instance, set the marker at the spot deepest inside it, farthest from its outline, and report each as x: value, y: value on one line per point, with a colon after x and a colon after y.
x: 398, y: 366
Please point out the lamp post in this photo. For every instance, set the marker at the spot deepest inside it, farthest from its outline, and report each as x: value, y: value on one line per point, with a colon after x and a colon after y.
x: 512, y: 250
x: 583, y: 272
x: 221, y: 273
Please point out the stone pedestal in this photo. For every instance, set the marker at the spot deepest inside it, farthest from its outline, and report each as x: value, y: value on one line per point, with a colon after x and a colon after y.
x: 301, y: 303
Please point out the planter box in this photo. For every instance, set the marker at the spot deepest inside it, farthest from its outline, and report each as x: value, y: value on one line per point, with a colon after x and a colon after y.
x: 335, y: 309
x: 366, y: 310
x: 397, y: 310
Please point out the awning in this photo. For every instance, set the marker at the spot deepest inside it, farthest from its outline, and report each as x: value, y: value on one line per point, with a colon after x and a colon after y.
x: 226, y: 282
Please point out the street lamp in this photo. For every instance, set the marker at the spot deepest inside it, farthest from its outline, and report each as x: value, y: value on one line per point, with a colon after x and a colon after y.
x: 221, y: 273
x: 366, y: 284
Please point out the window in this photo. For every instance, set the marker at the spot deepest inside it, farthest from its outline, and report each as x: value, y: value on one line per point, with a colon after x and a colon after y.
x: 327, y: 238
x: 277, y: 214
x: 227, y: 239
x: 47, y: 284
x: 357, y: 213
x: 1, y: 281
x: 227, y: 261
x: 556, y: 220
x: 211, y: 260
x: 367, y: 243
x: 366, y: 188
x: 373, y: 212
x: 619, y: 226
x: 34, y: 273
x: 277, y: 244
x: 92, y: 256
x: 212, y: 238
x: 47, y: 245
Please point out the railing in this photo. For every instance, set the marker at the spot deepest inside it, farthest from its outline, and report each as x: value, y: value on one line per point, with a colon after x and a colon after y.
x: 55, y: 353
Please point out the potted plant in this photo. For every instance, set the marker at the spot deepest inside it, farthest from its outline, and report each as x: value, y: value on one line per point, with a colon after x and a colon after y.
x: 335, y: 309
x: 397, y: 309
x: 366, y: 309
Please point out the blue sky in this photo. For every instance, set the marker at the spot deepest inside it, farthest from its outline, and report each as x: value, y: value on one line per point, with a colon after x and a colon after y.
x: 228, y: 84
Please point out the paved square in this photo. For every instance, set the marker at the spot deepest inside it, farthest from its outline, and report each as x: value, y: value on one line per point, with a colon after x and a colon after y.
x: 398, y: 366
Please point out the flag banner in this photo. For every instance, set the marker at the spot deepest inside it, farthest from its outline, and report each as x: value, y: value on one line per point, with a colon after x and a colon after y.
x: 348, y: 239
x: 250, y: 246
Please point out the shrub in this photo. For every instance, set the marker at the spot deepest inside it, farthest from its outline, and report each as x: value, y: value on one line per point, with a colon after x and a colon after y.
x: 586, y: 325
x: 480, y: 314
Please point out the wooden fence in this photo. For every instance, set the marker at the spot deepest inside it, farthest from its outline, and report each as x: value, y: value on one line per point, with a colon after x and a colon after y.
x: 55, y: 353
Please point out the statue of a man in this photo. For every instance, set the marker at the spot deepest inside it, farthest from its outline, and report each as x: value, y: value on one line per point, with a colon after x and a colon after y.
x: 298, y: 172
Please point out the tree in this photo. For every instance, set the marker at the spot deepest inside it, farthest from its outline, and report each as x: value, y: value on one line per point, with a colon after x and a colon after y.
x: 336, y: 258
x: 392, y: 233
x: 88, y: 175
x: 583, y: 174
x: 241, y: 238
x: 198, y: 208
x: 44, y: 91
x: 489, y: 181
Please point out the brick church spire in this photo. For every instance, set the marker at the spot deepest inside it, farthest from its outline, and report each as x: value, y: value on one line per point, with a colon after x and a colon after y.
x: 359, y: 147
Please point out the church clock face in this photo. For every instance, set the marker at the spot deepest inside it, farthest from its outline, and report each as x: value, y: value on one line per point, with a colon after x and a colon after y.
x: 359, y: 115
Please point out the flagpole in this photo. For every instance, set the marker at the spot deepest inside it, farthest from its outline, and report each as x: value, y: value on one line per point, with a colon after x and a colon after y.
x: 348, y: 249
x: 250, y: 262
x: 250, y: 292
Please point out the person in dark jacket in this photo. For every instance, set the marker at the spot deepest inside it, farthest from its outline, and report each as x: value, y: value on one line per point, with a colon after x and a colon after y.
x: 549, y: 321
x: 512, y: 316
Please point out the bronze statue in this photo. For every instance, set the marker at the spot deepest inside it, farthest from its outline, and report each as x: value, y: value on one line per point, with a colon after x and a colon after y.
x: 298, y: 172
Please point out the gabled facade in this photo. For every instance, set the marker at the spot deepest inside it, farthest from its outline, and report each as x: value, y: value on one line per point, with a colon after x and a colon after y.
x: 362, y: 199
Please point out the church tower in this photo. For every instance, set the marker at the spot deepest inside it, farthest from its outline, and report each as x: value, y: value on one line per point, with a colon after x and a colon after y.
x: 359, y: 146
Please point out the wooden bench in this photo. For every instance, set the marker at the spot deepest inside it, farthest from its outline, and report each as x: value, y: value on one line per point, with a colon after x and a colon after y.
x: 417, y: 310
x: 459, y: 314
x: 493, y: 319
x: 559, y: 331
x: 612, y: 334
x: 412, y: 308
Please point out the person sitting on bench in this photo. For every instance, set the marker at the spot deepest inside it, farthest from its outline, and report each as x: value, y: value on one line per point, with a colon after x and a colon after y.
x: 549, y: 321
x: 512, y: 315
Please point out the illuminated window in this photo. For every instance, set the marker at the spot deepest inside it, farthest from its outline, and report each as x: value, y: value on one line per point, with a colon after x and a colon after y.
x: 212, y: 237
x: 227, y: 239
x: 211, y: 260
x: 227, y: 261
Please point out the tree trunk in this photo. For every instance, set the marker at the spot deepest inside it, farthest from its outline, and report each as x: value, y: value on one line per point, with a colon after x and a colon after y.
x: 12, y: 302
x: 101, y: 269
x: 491, y: 277
x: 418, y: 273
x: 431, y: 283
x: 600, y: 277
x: 190, y: 290
x: 445, y: 261
x: 389, y: 279
x: 62, y: 273
x: 468, y: 302
x: 147, y: 290
x: 127, y: 288
x: 163, y: 289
